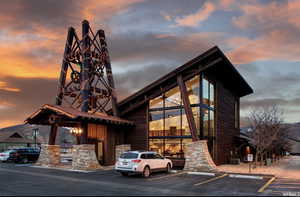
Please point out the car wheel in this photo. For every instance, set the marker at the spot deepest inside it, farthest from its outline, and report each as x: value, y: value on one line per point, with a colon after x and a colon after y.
x: 168, y: 169
x: 124, y: 173
x: 146, y: 172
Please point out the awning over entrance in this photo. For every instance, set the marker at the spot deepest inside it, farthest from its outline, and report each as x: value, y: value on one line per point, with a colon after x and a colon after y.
x: 64, y: 116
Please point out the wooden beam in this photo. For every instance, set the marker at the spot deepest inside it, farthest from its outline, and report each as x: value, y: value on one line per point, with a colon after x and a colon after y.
x: 52, y: 136
x: 64, y: 67
x: 109, y: 74
x: 187, y: 108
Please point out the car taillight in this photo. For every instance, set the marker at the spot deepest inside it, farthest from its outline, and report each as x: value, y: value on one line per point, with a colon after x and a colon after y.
x: 136, y: 161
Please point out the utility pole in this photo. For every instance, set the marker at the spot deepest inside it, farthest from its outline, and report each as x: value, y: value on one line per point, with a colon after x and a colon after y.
x: 35, y: 133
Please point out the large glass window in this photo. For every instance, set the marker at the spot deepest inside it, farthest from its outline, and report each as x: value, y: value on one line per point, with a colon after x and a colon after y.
x: 173, y: 148
x: 193, y: 89
x: 173, y: 122
x: 173, y: 97
x: 185, y: 125
x: 156, y: 103
x: 205, y: 93
x: 168, y: 126
x: 156, y: 123
x: 156, y: 145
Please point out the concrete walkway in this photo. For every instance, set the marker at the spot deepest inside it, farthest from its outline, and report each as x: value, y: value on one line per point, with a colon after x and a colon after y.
x: 288, y: 167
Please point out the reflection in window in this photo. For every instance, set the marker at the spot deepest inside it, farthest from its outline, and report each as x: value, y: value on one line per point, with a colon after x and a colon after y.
x: 173, y: 148
x: 173, y: 122
x: 205, y: 123
x: 173, y: 97
x: 185, y: 141
x: 205, y: 90
x: 185, y: 125
x: 156, y: 103
x: 211, y: 95
x: 211, y: 123
x: 156, y: 145
x: 192, y: 86
x: 156, y: 123
x: 196, y: 114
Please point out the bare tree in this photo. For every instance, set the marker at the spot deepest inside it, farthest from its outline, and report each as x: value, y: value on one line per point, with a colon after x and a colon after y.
x: 266, y: 124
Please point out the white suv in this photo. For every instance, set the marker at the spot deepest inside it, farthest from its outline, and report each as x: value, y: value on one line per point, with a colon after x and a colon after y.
x: 142, y: 163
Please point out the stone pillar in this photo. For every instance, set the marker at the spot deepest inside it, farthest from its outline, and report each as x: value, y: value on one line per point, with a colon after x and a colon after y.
x: 121, y: 149
x: 197, y: 157
x: 84, y: 157
x: 49, y: 156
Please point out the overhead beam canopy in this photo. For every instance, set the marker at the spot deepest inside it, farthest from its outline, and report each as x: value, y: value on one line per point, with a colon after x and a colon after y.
x: 66, y: 116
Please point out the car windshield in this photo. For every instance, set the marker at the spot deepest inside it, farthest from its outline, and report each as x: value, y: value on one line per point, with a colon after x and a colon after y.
x: 9, y: 151
x: 129, y: 156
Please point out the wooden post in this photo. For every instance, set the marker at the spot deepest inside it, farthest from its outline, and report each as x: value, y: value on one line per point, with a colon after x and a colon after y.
x: 84, y: 134
x: 187, y: 108
x: 52, y: 136
x: 64, y: 67
x: 109, y: 72
x: 86, y: 65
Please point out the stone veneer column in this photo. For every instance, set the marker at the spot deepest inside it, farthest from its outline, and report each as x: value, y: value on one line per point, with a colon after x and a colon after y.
x: 121, y: 149
x: 84, y: 157
x: 49, y: 155
x: 197, y: 157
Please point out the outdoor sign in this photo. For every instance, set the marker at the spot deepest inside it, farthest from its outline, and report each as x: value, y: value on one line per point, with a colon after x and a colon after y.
x: 250, y: 157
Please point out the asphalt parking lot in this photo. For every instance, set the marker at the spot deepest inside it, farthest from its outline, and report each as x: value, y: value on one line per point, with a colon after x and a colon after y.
x: 28, y: 180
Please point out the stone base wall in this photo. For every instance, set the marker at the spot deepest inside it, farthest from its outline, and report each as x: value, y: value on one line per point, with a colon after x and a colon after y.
x: 121, y: 149
x: 49, y: 155
x: 84, y: 157
x: 197, y: 157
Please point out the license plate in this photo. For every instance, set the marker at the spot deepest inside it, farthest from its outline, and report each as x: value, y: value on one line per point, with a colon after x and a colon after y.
x: 125, y: 163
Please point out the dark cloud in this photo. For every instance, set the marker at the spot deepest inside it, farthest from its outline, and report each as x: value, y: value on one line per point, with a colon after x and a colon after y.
x: 133, y: 80
x: 150, y: 47
x: 19, y: 15
x: 34, y: 93
x: 269, y: 102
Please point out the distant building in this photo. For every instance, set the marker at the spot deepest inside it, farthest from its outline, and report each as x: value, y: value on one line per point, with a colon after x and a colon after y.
x: 10, y: 140
x: 23, y: 136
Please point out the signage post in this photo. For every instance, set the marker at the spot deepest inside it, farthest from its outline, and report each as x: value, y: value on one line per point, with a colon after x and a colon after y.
x: 250, y: 160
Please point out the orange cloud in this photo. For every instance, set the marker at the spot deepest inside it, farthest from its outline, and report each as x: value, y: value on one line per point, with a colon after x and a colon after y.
x: 7, y: 123
x: 3, y: 86
x: 201, y: 15
x: 275, y: 45
x: 271, y: 15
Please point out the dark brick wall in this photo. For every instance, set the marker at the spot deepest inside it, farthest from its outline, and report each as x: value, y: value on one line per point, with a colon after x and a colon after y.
x: 225, y: 119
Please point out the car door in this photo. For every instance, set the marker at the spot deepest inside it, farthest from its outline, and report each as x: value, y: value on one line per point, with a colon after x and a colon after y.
x: 151, y: 161
x: 159, y: 160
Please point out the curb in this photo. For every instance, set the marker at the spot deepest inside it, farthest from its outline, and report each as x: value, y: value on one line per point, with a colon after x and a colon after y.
x: 202, y: 173
x: 245, y: 176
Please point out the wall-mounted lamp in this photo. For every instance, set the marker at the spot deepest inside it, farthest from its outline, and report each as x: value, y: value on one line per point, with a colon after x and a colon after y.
x: 76, y: 131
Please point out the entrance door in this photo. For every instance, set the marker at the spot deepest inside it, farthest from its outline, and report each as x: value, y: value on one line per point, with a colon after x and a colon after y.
x: 99, y: 152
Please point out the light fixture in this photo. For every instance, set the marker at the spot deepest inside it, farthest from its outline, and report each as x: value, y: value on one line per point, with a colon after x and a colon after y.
x: 76, y: 131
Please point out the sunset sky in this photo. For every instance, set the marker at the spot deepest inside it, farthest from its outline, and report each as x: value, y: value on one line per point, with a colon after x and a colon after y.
x: 146, y: 39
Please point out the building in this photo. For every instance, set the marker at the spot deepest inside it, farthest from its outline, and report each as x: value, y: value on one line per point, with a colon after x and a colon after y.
x: 199, y: 99
x: 23, y: 135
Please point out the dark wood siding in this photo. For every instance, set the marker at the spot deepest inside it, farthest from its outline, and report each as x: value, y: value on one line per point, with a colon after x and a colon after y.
x: 138, y: 135
x: 225, y: 119
x: 110, y: 136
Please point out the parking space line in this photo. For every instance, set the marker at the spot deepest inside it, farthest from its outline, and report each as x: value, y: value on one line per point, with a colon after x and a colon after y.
x: 210, y: 180
x: 167, y: 176
x: 266, y: 185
